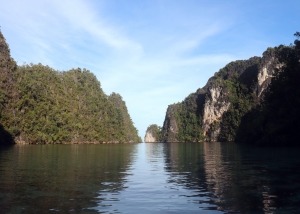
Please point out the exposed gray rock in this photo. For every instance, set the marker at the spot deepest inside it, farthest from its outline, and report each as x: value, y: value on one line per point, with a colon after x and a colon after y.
x: 170, y: 128
x: 255, y: 74
x: 149, y: 137
x: 214, y: 107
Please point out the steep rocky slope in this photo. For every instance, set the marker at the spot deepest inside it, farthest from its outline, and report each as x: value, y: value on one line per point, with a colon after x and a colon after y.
x: 214, y: 112
x: 252, y: 101
x: 276, y: 121
x: 153, y: 134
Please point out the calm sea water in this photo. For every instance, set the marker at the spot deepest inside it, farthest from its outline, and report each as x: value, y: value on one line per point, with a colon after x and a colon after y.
x: 149, y: 178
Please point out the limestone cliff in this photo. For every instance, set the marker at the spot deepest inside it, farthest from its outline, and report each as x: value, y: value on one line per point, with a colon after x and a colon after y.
x: 170, y: 127
x: 149, y: 138
x: 215, y: 106
x: 214, y: 112
x: 276, y: 120
x: 266, y: 71
x: 153, y: 134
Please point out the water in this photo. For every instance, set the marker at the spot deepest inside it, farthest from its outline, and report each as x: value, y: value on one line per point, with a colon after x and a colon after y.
x: 149, y: 178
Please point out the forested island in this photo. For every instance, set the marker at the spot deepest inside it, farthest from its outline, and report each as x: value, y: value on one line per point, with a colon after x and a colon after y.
x: 253, y: 101
x: 41, y: 105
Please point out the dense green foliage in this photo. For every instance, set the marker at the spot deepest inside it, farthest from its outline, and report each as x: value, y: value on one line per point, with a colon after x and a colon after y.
x: 189, y: 118
x: 42, y: 105
x: 276, y: 120
x: 241, y: 96
x: 237, y: 80
x: 262, y: 96
x: 123, y: 120
x: 8, y: 95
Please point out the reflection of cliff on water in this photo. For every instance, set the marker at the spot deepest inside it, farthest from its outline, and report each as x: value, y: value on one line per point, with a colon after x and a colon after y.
x: 63, y: 178
x: 249, y: 179
x: 185, y: 164
x: 221, y: 172
x: 238, y: 178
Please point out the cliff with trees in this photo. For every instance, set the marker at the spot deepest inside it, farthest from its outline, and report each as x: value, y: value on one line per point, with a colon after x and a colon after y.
x: 153, y: 134
x: 249, y: 101
x: 41, y: 105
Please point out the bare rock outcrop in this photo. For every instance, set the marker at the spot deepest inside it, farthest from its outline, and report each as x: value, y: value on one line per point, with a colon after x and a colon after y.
x: 231, y: 89
x: 214, y: 108
x: 170, y: 128
x: 266, y: 71
x: 153, y: 134
x: 149, y: 137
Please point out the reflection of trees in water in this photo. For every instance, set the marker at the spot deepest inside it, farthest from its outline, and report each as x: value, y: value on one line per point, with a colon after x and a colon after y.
x: 238, y: 184
x: 153, y: 150
x: 61, y: 178
x: 184, y: 162
x: 219, y: 177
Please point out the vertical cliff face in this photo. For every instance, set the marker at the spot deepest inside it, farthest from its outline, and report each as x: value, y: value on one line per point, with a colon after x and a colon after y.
x: 266, y: 71
x: 153, y: 134
x: 276, y: 122
x: 170, y: 127
x: 227, y: 96
x: 149, y: 137
x: 215, y: 106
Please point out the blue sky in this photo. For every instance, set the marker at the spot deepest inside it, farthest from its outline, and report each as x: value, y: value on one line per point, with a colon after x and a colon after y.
x: 155, y: 52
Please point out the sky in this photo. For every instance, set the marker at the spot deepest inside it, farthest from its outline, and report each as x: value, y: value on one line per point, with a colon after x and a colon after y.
x: 152, y: 52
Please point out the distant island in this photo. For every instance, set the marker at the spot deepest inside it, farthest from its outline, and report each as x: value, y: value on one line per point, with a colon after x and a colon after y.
x: 255, y: 101
x: 41, y: 105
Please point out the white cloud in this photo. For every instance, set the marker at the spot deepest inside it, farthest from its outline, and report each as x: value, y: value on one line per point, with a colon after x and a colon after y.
x: 167, y: 53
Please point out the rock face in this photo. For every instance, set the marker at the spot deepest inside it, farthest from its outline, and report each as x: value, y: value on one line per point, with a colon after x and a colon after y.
x: 170, y: 127
x: 153, y: 134
x: 214, y: 112
x: 266, y: 71
x: 149, y: 138
x: 214, y: 108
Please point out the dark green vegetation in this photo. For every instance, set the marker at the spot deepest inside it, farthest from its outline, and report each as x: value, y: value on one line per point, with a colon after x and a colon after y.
x: 236, y: 82
x: 61, y: 178
x: 189, y: 117
x: 248, y: 101
x: 41, y: 105
x: 277, y: 119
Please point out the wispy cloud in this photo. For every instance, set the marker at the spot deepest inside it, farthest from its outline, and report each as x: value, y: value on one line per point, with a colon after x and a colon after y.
x: 82, y: 17
x: 153, y: 53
